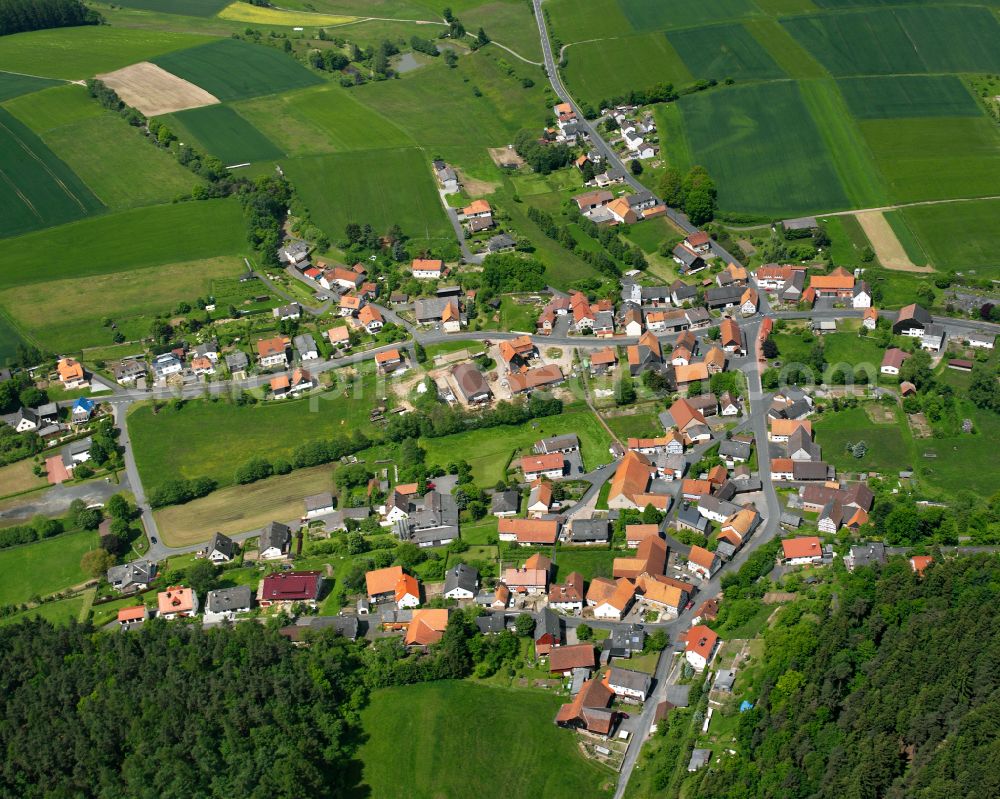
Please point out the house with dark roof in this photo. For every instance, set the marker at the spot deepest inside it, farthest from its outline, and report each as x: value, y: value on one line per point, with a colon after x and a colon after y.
x: 471, y: 384
x: 625, y: 640
x: 225, y: 604
x: 862, y: 555
x: 548, y: 633
x: 131, y: 577
x: 506, y: 503
x: 590, y: 531
x: 461, y: 581
x: 629, y: 685
x: 221, y: 549
x: 275, y: 540
x: 911, y: 321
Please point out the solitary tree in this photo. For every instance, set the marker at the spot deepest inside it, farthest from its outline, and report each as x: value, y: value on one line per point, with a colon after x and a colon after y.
x: 96, y: 562
x: 524, y: 625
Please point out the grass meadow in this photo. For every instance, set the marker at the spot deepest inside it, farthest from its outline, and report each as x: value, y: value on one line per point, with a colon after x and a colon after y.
x: 212, y: 439
x: 43, y: 567
x: 66, y: 315
x: 487, y: 451
x: 645, y: 424
x: 379, y: 187
x: 38, y: 189
x: 77, y: 53
x: 260, y: 70
x: 119, y: 242
x: 890, y: 446
x: 222, y: 132
x: 963, y: 236
x: 590, y: 562
x: 59, y: 612
x: 54, y: 107
x: 505, y: 744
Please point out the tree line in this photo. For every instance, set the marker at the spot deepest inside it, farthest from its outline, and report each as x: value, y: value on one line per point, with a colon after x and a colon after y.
x: 17, y: 16
x: 543, y: 157
x: 615, y: 250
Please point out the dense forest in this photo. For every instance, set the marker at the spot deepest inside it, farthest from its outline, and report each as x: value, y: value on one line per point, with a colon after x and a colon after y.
x: 17, y: 16
x: 175, y: 711
x: 890, y: 690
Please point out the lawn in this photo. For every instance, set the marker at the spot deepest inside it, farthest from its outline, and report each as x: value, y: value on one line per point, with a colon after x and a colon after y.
x: 43, y: 567
x: 590, y: 563
x: 507, y: 745
x: 890, y: 448
x: 118, y: 242
x: 241, y: 508
x: 853, y: 349
x: 261, y: 70
x: 222, y: 132
x: 143, y: 174
x: 908, y: 96
x: 66, y: 315
x: 959, y: 236
x: 488, y: 450
x: 77, y: 53
x: 19, y: 476
x: 58, y: 612
x: 724, y: 51
x: 12, y: 85
x: 326, y: 119
x: 763, y: 148
x: 377, y: 187
x: 934, y: 158
x: 635, y: 425
x: 38, y: 189
x: 903, y: 40
x: 212, y: 439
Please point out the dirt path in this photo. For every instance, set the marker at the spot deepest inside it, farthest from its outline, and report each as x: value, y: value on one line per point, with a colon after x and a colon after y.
x: 887, y: 246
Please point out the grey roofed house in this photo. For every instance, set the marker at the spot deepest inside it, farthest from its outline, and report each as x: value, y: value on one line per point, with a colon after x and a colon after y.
x: 305, y: 344
x: 129, y: 369
x: 605, y: 320
x: 501, y: 242
x: 689, y: 261
x: 811, y: 470
x: 632, y: 680
x: 461, y: 576
x: 734, y: 450
x: 430, y: 310
x: 793, y: 288
x: 626, y: 639
x: 291, y: 311
x: 222, y: 544
x: 491, y: 623
x: 566, y: 443
x: 801, y: 223
x: 665, y: 462
x: 387, y: 614
x: 798, y: 410
x: 73, y: 452
x: 25, y: 415
x: 471, y: 383
x: 49, y: 412
x: 722, y: 296
x: 237, y: 361
x: 641, y: 200
x: 708, y: 404
x: 590, y: 531
x: 347, y: 626
x: 696, y: 431
x: 715, y: 505
x: 681, y: 292
x: 726, y: 491
x: 699, y: 759
x: 801, y: 442
x: 677, y: 695
x: 697, y: 317
x: 275, y: 535
x: 865, y: 554
x: 433, y: 522
x: 548, y: 623
x: 207, y: 349
x: 130, y: 576
x: 654, y: 293
x: 745, y: 485
x: 319, y: 503
x: 448, y: 291
x: 228, y: 599
x: 790, y: 519
x: 724, y: 549
x: 724, y: 680
x: 505, y: 502
x: 688, y: 516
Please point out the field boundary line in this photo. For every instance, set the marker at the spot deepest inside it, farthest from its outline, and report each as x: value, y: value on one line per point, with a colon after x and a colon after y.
x: 40, y: 77
x: 910, y: 205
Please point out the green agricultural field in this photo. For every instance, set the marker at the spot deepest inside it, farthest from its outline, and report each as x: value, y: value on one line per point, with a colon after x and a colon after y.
x: 794, y: 59
x: 580, y: 20
x: 10, y: 338
x: 324, y: 119
x: 590, y: 563
x: 142, y: 174
x: 191, y: 8
x: 211, y: 439
x: 54, y: 108
x: 509, y: 747
x: 66, y: 315
x: 936, y: 158
x: 596, y: 70
x: 38, y: 189
x: 222, y: 132
x: 907, y: 96
x: 77, y: 53
x: 232, y: 70
x: 12, y: 85
x: 723, y: 51
x: 487, y: 451
x: 649, y: 15
x: 162, y: 234
x: 763, y: 148
x: 509, y: 23
x: 890, y: 447
x: 847, y: 238
x: 962, y: 236
x: 377, y: 187
x: 903, y: 40
x: 43, y: 567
